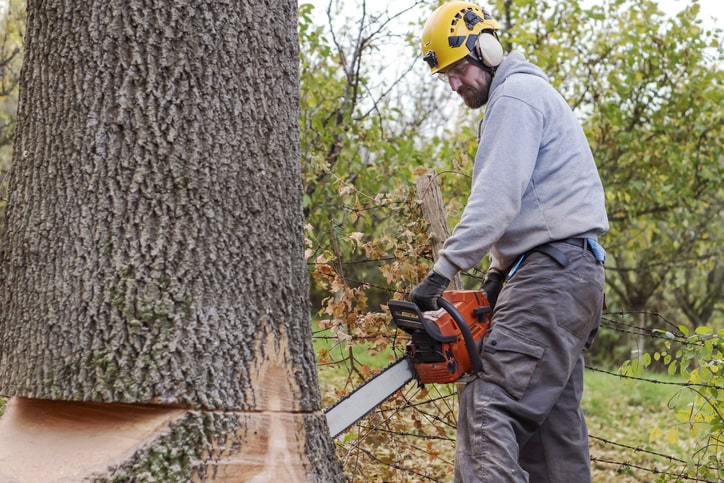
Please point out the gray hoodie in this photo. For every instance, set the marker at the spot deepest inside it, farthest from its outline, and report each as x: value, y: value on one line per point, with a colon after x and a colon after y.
x: 534, y: 179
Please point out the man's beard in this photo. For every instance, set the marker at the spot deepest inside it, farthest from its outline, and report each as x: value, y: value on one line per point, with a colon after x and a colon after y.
x: 473, y: 98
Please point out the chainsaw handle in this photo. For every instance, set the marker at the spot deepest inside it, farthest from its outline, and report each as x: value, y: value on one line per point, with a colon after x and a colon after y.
x: 465, y: 331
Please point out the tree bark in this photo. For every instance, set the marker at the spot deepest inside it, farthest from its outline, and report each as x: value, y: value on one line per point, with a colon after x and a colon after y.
x: 153, y: 252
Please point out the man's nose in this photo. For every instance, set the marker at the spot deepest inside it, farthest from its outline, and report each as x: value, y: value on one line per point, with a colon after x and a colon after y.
x: 454, y: 83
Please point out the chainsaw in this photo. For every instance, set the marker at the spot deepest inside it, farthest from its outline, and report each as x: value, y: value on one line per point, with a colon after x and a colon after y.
x: 443, y: 346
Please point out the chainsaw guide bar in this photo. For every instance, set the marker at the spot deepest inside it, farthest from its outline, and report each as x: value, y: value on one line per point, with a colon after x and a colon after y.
x: 444, y: 345
x: 357, y: 404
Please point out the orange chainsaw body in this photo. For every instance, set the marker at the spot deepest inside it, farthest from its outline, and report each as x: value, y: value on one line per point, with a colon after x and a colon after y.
x: 440, y: 347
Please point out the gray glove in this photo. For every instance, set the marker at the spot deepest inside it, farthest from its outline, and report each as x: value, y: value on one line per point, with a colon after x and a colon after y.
x: 492, y: 285
x: 425, y: 295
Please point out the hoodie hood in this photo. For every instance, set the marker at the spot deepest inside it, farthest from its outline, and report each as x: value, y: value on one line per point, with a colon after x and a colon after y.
x: 515, y: 63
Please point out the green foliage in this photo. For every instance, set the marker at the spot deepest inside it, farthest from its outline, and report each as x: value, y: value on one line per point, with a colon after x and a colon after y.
x: 697, y: 357
x: 12, y: 29
x: 647, y: 89
x: 655, y: 129
x: 360, y: 151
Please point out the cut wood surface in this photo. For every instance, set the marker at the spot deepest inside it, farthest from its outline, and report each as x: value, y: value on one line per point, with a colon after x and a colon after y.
x: 57, y: 441
x: 44, y: 440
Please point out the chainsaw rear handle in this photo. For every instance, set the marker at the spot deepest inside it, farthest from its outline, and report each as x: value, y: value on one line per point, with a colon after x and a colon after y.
x: 465, y: 331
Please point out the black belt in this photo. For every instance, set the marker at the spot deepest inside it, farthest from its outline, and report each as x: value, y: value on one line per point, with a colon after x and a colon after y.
x: 555, y: 253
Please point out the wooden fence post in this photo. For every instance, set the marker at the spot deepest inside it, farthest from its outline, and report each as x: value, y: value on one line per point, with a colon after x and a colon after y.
x: 433, y: 210
x: 428, y: 191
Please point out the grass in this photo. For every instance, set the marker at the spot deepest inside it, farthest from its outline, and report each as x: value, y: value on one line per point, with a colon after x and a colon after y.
x: 342, y: 367
x: 632, y: 427
x: 633, y: 431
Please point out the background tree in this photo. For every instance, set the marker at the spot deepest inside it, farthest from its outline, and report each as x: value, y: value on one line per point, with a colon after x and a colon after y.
x: 153, y: 284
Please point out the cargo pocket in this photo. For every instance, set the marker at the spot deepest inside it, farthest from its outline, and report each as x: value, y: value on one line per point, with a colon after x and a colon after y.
x: 510, y: 359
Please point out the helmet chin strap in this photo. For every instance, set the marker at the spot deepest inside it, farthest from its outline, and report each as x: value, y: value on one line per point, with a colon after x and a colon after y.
x: 474, y: 60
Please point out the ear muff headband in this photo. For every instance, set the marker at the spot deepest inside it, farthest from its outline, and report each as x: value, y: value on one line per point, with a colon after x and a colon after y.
x: 489, y: 49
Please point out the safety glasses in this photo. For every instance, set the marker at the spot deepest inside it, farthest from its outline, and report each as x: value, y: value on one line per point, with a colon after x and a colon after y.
x: 457, y: 70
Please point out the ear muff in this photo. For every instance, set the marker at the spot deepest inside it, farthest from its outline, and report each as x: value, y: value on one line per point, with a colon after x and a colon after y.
x: 489, y: 49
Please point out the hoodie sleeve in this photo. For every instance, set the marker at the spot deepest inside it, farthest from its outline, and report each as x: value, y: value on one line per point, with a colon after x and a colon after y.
x: 504, y: 164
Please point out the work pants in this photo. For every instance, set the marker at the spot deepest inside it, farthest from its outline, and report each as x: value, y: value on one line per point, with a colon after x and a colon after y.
x: 520, y: 420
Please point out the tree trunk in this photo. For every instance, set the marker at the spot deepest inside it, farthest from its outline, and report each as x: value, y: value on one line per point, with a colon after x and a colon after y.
x: 153, y: 278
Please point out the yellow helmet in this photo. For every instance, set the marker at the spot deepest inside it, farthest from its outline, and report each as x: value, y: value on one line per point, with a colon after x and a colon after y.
x: 452, y: 31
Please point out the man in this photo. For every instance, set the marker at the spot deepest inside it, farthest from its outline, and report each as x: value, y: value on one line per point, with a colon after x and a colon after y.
x: 537, y: 207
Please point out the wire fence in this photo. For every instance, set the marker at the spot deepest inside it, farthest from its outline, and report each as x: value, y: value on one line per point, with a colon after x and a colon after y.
x: 419, y: 423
